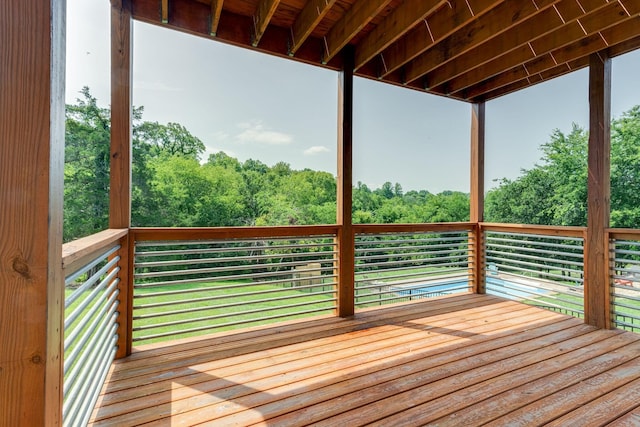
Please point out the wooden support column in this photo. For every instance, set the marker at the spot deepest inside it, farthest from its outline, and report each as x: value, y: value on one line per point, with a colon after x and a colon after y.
x: 120, y: 180
x: 346, y: 239
x: 32, y: 58
x: 476, y: 214
x: 596, y: 263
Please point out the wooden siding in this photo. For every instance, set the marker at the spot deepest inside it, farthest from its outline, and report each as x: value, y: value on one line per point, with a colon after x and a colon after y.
x: 457, y: 360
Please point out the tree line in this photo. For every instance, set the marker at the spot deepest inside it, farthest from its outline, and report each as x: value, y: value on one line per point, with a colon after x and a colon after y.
x: 554, y: 192
x: 172, y: 185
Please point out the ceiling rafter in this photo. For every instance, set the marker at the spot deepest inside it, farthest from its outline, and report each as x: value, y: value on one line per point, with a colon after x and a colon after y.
x: 569, y: 33
x: 264, y: 12
x: 544, y: 22
x: 164, y: 11
x: 470, y: 50
x: 306, y: 22
x: 352, y: 22
x: 490, y: 25
x: 570, y: 54
x: 444, y: 22
x: 216, y: 11
x: 395, y: 25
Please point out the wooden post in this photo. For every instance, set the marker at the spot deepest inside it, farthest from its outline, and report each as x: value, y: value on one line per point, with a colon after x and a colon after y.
x: 32, y: 46
x: 346, y: 239
x: 476, y: 214
x: 596, y: 262
x: 120, y: 179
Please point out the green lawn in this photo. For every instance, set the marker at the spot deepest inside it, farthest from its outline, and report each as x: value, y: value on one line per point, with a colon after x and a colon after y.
x: 221, y: 306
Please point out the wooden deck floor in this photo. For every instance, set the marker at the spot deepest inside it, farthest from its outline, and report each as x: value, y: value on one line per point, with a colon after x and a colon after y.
x: 453, y: 361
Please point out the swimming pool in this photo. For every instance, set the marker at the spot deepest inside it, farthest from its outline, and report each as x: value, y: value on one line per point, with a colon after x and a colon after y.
x: 495, y: 286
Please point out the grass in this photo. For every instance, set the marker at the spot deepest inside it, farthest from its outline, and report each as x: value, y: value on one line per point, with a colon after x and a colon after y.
x: 221, y: 306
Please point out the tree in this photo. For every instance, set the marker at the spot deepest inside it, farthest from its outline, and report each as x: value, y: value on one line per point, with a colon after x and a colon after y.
x: 86, y: 174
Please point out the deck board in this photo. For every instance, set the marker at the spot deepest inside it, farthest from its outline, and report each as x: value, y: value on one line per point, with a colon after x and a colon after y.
x: 456, y: 360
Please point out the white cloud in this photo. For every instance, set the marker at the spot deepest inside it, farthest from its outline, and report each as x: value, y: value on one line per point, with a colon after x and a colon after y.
x: 316, y: 149
x: 256, y: 132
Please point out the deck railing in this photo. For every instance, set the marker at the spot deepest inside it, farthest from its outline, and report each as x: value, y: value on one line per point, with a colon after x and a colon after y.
x: 395, y: 263
x: 192, y: 282
x: 624, y: 251
x: 537, y: 265
x: 92, y: 266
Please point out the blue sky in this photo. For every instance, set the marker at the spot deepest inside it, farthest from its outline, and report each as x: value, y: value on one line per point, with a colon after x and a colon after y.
x: 253, y: 105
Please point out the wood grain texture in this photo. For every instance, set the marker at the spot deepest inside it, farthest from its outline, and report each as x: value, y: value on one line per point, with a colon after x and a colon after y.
x: 596, y: 263
x: 121, y: 110
x: 354, y: 20
x: 76, y: 254
x: 32, y: 42
x: 454, y: 360
x: 210, y: 233
x: 264, y: 12
x: 395, y: 25
x: 436, y: 28
x: 344, y: 196
x: 536, y: 229
x: 306, y: 22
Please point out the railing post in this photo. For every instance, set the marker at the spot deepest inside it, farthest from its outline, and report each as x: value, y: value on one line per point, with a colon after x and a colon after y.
x: 120, y: 179
x: 346, y: 239
x: 476, y: 200
x: 596, y: 264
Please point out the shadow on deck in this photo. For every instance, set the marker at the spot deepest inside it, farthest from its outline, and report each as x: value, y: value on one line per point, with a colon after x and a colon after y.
x: 455, y: 360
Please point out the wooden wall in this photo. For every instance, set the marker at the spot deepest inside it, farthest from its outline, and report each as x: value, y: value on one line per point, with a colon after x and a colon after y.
x: 32, y: 40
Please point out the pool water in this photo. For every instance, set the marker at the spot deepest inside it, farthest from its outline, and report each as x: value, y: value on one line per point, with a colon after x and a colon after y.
x: 495, y: 286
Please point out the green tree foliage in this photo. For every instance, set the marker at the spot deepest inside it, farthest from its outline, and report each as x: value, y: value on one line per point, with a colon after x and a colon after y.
x: 172, y: 186
x: 86, y: 172
x: 555, y: 191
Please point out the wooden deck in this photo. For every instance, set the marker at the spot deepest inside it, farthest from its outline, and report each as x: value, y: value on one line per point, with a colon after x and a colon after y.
x: 451, y: 361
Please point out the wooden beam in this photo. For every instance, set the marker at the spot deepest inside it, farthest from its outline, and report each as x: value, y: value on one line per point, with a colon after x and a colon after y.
x: 264, y: 12
x: 346, y: 238
x: 486, y: 27
x: 476, y: 214
x: 194, y: 18
x: 354, y: 20
x: 435, y: 28
x: 306, y: 22
x: 214, y: 18
x: 596, y: 262
x: 32, y: 42
x: 164, y: 11
x: 562, y: 45
x: 574, y: 56
x: 121, y: 146
x: 395, y: 25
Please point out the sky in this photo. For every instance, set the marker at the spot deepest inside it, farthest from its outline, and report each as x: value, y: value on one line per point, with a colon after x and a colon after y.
x: 252, y: 105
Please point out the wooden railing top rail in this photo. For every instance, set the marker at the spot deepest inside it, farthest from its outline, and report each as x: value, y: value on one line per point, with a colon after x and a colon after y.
x: 153, y: 234
x: 553, y: 230
x: 412, y: 228
x: 79, y: 252
x: 624, y: 233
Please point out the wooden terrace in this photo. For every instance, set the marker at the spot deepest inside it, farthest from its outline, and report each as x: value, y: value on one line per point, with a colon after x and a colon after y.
x: 452, y: 361
x: 461, y: 359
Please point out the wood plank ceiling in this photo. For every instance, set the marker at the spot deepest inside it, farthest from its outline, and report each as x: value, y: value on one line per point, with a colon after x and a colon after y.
x: 472, y: 50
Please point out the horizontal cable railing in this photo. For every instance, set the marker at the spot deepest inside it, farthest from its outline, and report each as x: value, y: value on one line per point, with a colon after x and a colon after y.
x: 185, y: 288
x: 542, y: 266
x: 403, y: 263
x: 91, y: 321
x: 625, y: 279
